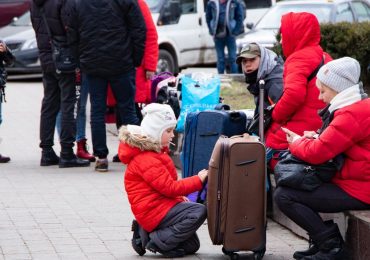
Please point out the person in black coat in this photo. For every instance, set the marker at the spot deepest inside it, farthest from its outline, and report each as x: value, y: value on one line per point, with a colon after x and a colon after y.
x: 59, y: 88
x: 109, y: 37
x: 6, y: 57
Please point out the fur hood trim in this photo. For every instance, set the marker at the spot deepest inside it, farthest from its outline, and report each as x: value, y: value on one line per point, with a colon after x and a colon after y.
x: 137, y: 139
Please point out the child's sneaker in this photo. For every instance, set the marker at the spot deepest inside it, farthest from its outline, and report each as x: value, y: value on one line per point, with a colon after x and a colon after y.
x: 101, y: 165
x: 174, y: 253
x: 136, y: 240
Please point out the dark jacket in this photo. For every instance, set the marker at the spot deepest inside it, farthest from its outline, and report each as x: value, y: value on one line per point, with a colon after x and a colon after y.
x: 56, y: 15
x: 270, y: 70
x: 110, y: 35
x: 7, y: 58
x: 235, y: 15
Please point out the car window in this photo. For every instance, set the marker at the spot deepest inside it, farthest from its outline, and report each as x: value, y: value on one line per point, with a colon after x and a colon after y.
x: 272, y: 19
x: 344, y: 13
x: 188, y: 6
x: 362, y: 11
x: 23, y: 20
x: 154, y: 5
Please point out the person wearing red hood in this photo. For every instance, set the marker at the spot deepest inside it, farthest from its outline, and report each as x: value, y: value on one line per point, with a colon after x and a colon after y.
x: 166, y: 222
x: 297, y: 109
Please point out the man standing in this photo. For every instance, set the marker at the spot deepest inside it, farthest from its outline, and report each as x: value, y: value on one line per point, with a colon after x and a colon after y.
x: 59, y: 88
x: 225, y: 22
x: 110, y: 36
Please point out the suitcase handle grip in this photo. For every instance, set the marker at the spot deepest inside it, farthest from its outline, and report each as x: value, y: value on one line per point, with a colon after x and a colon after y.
x: 245, y: 162
x: 244, y: 230
x: 209, y: 134
x: 235, y: 116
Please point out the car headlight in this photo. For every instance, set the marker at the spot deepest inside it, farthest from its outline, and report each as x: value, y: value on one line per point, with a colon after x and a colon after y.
x: 29, y: 44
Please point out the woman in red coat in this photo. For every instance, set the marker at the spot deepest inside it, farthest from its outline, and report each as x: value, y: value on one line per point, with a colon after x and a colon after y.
x: 155, y: 194
x: 298, y: 106
x: 346, y: 132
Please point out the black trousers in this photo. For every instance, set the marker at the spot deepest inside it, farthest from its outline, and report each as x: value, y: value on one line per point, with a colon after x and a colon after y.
x: 59, y: 94
x: 179, y: 226
x: 303, y: 206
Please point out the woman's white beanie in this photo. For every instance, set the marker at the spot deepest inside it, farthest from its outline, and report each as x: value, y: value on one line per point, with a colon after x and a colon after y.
x: 157, y: 119
x: 340, y: 74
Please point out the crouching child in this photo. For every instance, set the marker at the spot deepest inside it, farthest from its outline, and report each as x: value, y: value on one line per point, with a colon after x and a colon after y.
x: 166, y: 222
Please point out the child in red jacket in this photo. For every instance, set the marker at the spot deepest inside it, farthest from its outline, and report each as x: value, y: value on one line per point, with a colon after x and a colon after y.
x: 166, y: 222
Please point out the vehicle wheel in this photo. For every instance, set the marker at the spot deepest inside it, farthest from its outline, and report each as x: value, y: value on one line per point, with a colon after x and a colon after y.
x: 166, y: 62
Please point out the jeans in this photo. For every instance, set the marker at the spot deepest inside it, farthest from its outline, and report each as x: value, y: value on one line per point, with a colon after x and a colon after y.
x: 81, y: 113
x: 59, y: 95
x: 220, y: 44
x: 123, y: 88
x: 1, y: 117
x: 303, y: 206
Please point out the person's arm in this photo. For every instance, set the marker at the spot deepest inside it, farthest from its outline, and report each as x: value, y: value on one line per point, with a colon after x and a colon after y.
x: 160, y: 179
x: 295, y: 91
x: 340, y: 135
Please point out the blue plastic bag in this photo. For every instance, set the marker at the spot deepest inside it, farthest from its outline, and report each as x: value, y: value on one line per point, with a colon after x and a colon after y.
x: 198, y: 95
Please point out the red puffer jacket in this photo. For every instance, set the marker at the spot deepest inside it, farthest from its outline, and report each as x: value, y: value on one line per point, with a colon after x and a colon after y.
x: 298, y: 107
x: 348, y: 133
x: 151, y: 181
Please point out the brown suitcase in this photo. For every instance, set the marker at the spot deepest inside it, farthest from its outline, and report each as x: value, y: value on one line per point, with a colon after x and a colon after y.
x: 236, y: 196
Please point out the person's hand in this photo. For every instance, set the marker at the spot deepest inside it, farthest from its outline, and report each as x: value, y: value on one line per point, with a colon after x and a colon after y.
x: 203, y: 175
x: 310, y: 134
x: 2, y: 46
x: 186, y: 199
x: 149, y: 74
x: 290, y: 135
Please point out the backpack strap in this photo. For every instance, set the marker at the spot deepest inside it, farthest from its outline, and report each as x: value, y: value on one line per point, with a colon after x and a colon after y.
x: 314, y: 73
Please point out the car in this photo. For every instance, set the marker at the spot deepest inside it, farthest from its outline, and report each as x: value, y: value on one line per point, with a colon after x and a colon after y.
x: 12, y: 8
x: 20, y: 38
x: 333, y: 11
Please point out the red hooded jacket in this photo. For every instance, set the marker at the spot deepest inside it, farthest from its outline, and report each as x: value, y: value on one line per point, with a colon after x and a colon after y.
x: 348, y: 133
x: 151, y: 180
x: 298, y: 107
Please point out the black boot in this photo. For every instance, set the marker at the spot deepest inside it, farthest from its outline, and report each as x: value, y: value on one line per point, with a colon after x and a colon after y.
x: 48, y: 157
x: 136, y: 242
x: 69, y: 159
x: 174, y: 253
x: 331, y: 246
x: 312, y: 245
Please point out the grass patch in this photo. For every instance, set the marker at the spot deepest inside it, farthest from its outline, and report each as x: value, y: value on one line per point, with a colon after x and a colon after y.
x: 237, y: 96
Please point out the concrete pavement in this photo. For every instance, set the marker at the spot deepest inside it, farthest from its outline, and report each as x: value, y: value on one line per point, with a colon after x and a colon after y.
x: 51, y: 213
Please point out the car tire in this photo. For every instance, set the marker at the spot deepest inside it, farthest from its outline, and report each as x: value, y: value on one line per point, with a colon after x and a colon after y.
x: 166, y: 62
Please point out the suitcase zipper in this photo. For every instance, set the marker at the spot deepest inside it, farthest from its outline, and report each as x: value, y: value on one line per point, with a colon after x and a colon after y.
x: 219, y: 187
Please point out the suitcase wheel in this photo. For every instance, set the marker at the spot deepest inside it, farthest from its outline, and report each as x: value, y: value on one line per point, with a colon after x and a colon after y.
x: 259, y: 254
x: 231, y: 254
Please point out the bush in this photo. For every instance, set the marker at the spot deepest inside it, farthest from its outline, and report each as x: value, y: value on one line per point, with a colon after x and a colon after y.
x: 346, y: 39
x: 349, y: 39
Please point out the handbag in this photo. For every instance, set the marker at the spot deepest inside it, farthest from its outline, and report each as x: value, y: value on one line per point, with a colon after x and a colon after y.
x: 61, y: 52
x: 295, y: 173
x: 253, y: 127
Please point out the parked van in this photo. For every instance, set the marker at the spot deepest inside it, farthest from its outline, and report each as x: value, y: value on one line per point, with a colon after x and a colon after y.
x: 183, y: 35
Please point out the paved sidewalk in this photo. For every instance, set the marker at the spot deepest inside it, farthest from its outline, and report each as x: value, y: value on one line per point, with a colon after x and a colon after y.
x: 51, y: 213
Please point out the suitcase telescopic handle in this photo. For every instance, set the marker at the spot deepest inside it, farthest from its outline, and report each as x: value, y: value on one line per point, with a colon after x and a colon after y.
x: 261, y: 110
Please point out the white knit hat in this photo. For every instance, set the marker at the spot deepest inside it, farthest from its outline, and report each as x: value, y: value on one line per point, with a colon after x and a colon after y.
x: 340, y: 74
x: 157, y: 119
